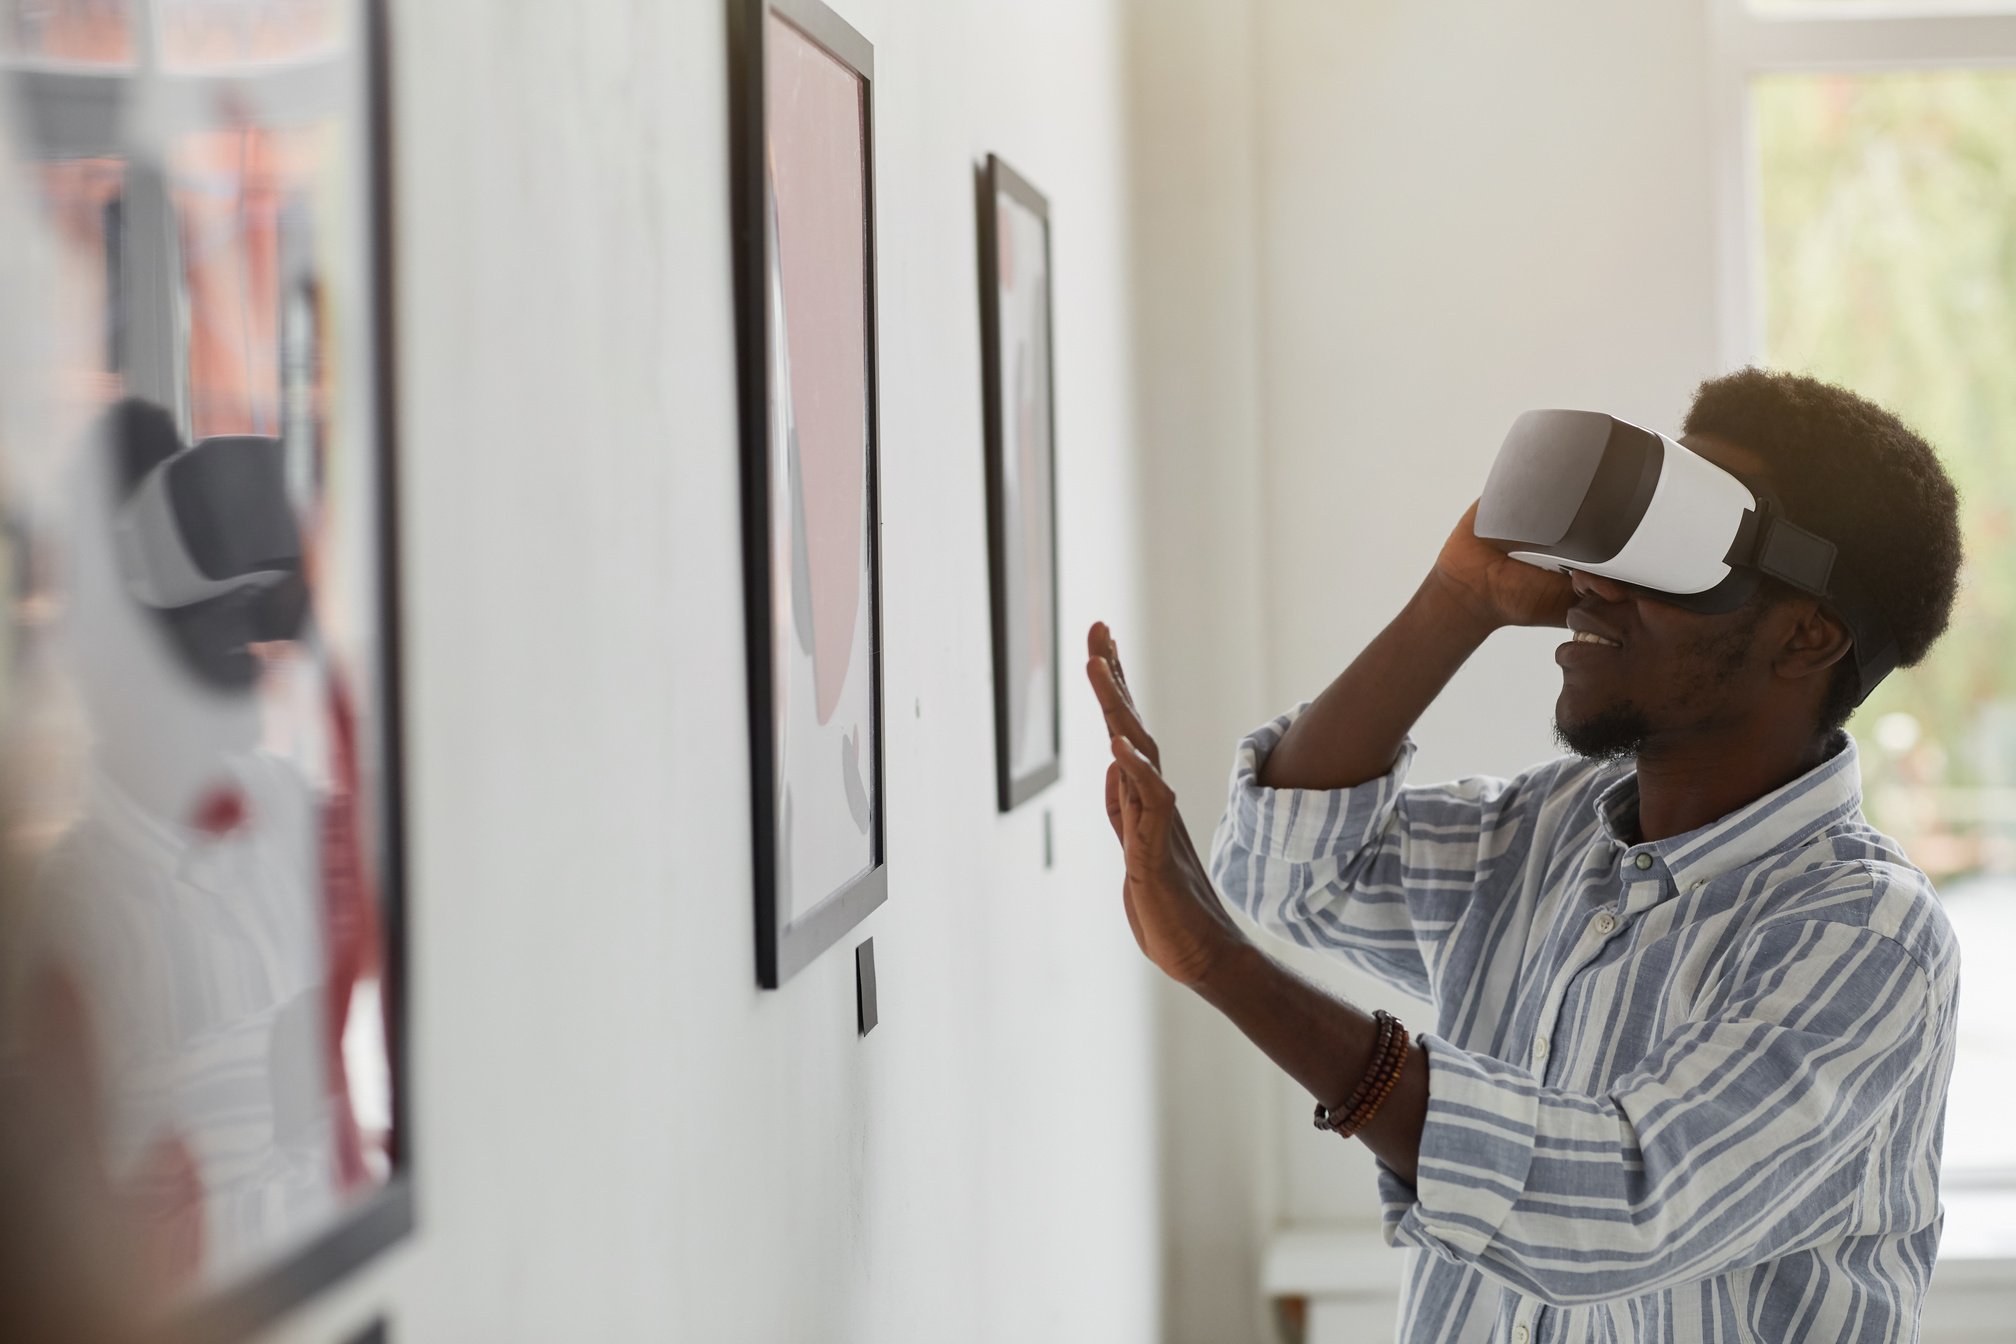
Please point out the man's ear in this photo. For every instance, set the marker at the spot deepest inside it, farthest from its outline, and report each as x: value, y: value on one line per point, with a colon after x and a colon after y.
x: 1815, y: 640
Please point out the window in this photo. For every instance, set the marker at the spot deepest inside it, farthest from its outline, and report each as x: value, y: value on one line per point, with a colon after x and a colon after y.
x: 1869, y: 233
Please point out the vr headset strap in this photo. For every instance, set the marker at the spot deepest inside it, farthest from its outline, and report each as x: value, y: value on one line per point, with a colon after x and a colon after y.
x: 1876, y: 654
x: 1773, y: 544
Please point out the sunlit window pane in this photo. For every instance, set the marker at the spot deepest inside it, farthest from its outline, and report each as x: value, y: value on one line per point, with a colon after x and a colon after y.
x: 1889, y: 250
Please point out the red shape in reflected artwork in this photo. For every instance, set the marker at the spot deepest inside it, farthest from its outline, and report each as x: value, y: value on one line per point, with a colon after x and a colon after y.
x: 350, y: 927
x: 221, y: 811
x: 815, y: 129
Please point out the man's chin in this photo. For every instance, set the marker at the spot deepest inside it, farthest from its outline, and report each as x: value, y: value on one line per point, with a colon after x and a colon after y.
x: 1612, y: 732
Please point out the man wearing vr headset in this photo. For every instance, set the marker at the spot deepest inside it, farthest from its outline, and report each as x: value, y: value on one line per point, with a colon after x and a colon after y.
x: 1692, y: 1018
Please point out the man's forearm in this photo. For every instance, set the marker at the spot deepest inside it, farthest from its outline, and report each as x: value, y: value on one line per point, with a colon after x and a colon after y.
x: 1353, y: 731
x: 1323, y: 1043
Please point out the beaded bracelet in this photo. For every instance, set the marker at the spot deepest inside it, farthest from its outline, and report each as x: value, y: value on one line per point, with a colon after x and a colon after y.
x: 1384, y: 1023
x: 1389, y: 1057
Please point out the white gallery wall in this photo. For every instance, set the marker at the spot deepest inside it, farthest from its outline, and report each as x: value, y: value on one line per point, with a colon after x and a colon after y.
x: 618, y: 1136
x: 1200, y: 661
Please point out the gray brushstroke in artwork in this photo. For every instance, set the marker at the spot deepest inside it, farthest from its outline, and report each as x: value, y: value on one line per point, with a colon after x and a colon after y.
x: 801, y: 564
x: 850, y: 775
x: 783, y: 903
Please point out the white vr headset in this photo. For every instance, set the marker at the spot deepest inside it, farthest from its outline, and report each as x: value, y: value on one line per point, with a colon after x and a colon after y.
x: 1583, y: 490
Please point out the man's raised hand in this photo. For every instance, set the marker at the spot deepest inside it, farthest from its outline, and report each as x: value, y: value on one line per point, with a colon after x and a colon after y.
x: 1170, y: 903
x: 1494, y: 588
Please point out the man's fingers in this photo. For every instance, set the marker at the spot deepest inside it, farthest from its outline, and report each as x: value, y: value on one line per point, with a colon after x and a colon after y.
x: 1119, y: 668
x: 1109, y: 683
x: 1113, y: 781
x: 1121, y: 718
x: 1119, y: 672
x: 1111, y: 698
x: 1130, y: 811
x: 1102, y: 647
x: 1141, y: 773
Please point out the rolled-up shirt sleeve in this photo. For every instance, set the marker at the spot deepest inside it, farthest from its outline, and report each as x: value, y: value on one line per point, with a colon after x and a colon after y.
x: 1744, y: 1135
x: 1377, y: 873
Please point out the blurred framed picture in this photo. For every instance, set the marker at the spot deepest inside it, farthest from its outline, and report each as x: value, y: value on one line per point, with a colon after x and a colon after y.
x: 805, y: 301
x: 1021, y: 481
x: 205, y: 655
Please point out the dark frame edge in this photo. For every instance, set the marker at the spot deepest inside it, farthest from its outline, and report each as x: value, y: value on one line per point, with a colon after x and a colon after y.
x: 783, y: 948
x: 832, y: 32
x: 829, y: 921
x: 750, y: 254
x: 1036, y: 781
x: 381, y: 1223
x: 996, y: 178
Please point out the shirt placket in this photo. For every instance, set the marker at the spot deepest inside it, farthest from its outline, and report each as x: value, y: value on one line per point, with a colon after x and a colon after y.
x: 1637, y: 883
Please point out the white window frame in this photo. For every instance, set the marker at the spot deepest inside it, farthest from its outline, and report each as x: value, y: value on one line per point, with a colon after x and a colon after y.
x: 1852, y: 35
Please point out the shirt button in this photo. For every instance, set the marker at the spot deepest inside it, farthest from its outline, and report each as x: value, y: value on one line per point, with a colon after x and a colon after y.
x: 1540, y: 1051
x: 1605, y: 922
x: 1643, y: 861
x: 1521, y: 1334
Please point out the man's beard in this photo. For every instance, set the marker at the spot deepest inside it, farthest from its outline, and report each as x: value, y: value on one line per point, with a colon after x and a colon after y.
x: 1614, y: 733
x: 1620, y: 731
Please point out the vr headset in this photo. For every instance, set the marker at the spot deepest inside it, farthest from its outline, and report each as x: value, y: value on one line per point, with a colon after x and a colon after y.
x: 210, y: 521
x: 205, y: 538
x: 1583, y: 490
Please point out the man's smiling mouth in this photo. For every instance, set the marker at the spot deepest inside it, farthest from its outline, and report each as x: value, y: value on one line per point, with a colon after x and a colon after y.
x: 1589, y: 637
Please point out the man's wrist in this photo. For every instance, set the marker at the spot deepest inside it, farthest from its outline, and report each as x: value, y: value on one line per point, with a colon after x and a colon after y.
x: 1439, y: 605
x: 1230, y: 970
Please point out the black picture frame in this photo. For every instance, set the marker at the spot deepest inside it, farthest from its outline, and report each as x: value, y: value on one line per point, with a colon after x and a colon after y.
x: 784, y: 945
x: 77, y: 112
x: 997, y: 181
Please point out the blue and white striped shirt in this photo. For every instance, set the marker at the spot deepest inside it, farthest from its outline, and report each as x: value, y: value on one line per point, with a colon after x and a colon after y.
x: 1689, y: 1090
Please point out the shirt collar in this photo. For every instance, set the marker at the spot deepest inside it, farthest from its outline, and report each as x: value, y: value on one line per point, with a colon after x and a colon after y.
x: 1783, y: 819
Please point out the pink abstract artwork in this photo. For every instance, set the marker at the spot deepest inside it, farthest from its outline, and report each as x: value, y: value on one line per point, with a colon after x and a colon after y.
x: 816, y: 163
x: 821, y: 583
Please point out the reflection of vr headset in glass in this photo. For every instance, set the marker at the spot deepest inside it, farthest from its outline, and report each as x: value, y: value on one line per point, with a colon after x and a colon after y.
x: 207, y: 540
x: 1581, y: 490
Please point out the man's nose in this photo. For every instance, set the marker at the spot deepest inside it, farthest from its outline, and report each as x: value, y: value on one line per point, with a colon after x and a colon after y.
x: 1595, y: 585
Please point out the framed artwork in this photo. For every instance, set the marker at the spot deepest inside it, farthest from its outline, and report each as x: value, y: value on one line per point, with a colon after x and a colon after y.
x: 1021, y: 481
x: 205, y: 680
x: 805, y: 299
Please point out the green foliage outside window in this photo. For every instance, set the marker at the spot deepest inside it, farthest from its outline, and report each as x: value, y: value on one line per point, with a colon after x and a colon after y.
x: 1889, y: 266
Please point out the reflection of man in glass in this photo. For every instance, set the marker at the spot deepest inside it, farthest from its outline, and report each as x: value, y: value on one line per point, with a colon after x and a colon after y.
x: 184, y: 905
